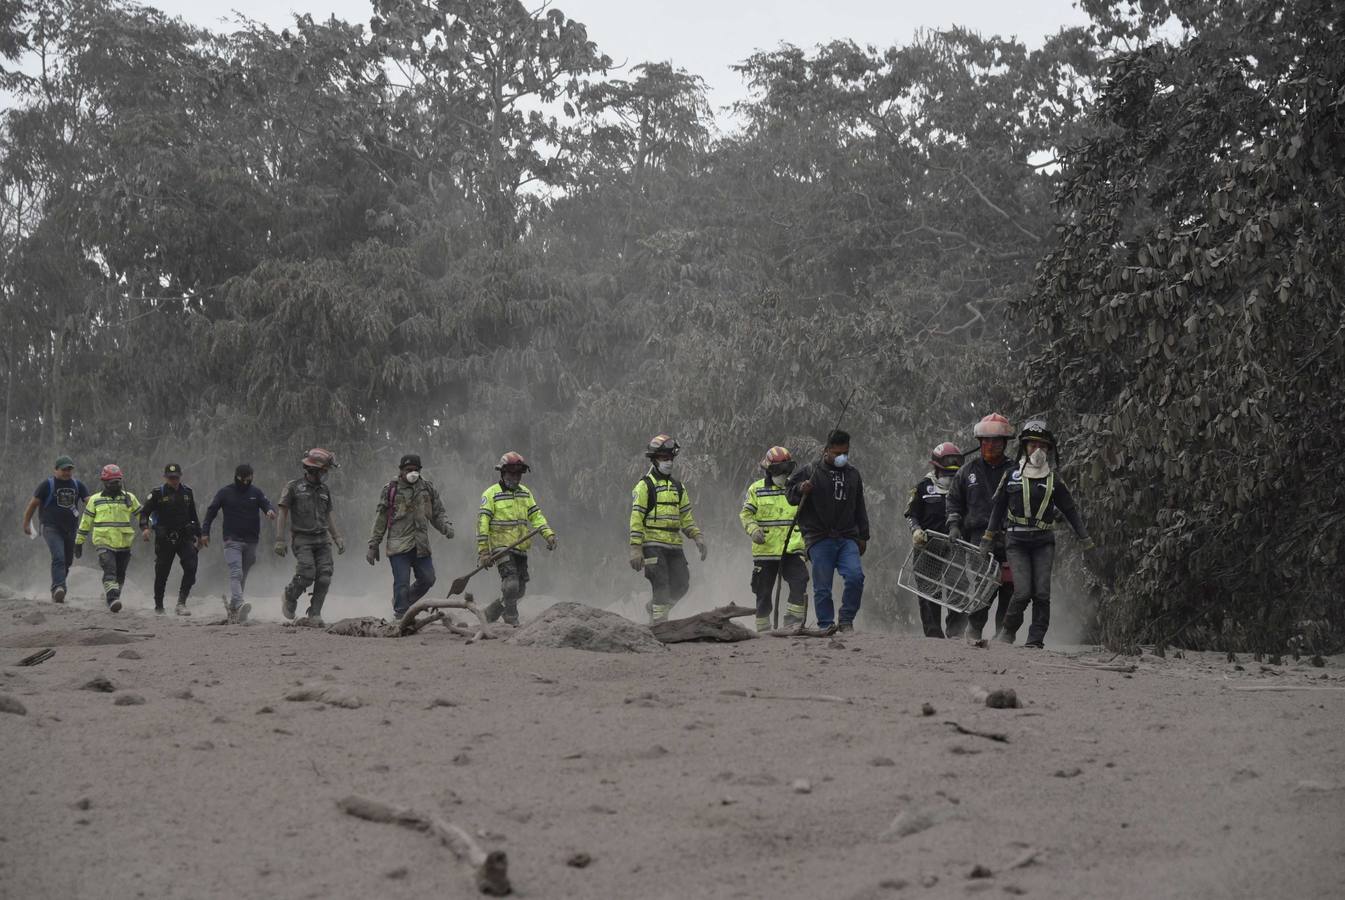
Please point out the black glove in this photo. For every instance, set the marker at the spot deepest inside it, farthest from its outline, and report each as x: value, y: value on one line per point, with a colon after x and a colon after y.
x: 954, y: 533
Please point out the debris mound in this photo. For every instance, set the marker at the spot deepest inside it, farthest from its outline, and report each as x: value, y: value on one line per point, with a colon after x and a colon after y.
x: 586, y: 628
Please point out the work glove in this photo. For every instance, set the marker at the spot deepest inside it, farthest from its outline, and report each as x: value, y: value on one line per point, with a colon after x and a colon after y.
x: 79, y: 550
x: 484, y: 559
x: 637, y: 558
x: 448, y: 532
x: 372, y: 556
x: 919, y: 537
x: 340, y: 546
x: 758, y: 536
x: 954, y: 533
x: 280, y: 548
x: 705, y: 551
x: 986, y: 545
x: 552, y: 541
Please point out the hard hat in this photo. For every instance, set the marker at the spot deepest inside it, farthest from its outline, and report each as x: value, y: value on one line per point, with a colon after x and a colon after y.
x: 993, y: 426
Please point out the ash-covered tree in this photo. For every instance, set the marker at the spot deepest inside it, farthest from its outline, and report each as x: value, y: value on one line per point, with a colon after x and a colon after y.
x: 1189, y: 319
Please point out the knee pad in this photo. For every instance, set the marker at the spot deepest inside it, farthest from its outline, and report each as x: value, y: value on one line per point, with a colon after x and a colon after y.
x: 322, y: 582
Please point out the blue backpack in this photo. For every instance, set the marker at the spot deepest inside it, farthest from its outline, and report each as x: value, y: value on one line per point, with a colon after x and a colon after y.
x: 51, y: 492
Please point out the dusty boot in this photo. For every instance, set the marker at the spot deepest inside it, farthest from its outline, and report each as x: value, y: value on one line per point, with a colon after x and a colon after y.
x: 114, y: 600
x: 241, y: 614
x: 314, y: 616
x: 288, y: 605
x: 494, y: 611
x: 510, y: 612
x: 763, y: 623
x: 58, y: 594
x: 181, y: 608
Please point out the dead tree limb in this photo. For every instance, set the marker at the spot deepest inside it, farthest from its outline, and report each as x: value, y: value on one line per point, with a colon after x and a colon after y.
x: 715, y: 625
x: 1281, y: 687
x: 408, y: 622
x: 490, y: 870
x: 989, y: 735
x: 37, y: 658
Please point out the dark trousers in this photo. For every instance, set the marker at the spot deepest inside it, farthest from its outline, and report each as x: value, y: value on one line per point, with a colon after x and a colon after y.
x: 765, y: 572
x: 513, y: 569
x: 1032, y: 555
x: 404, y: 594
x: 669, y: 579
x: 61, y: 546
x: 113, y: 563
x: 168, y: 547
x: 931, y: 616
x: 312, y: 566
x: 957, y: 622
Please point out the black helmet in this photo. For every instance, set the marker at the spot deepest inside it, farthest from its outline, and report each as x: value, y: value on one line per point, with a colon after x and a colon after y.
x: 660, y: 444
x: 1036, y: 430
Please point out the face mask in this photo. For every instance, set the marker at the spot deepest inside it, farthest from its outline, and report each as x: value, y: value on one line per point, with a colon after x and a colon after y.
x: 779, y: 480
x: 510, y: 481
x: 664, y: 466
x: 841, y: 460
x: 411, y: 477
x: 112, y: 488
x: 317, y: 475
x: 1037, y: 458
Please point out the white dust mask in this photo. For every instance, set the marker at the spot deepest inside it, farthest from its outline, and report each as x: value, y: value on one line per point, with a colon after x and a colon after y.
x: 412, y: 477
x: 664, y: 466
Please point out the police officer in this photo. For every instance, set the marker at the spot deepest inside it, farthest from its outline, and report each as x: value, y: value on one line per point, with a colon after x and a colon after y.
x: 1029, y: 499
x: 170, y: 510
x: 767, y: 517
x: 926, y: 511
x: 969, y: 501
x: 306, y: 504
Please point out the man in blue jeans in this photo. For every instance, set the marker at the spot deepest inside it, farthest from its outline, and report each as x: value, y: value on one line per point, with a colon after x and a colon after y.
x: 57, y: 502
x: 243, y: 505
x: 835, y: 525
x: 408, y: 506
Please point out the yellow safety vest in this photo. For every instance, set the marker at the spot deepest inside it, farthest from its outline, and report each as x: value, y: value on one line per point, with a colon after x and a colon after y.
x: 109, y: 521
x: 505, y: 516
x: 660, y: 512
x: 765, y: 507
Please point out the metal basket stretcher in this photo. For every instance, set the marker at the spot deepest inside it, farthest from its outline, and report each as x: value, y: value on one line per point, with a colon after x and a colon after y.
x: 951, y: 573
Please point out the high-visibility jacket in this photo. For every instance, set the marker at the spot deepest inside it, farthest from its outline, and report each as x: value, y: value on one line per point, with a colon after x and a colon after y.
x: 109, y: 521
x: 660, y: 512
x: 506, y: 515
x: 766, y: 507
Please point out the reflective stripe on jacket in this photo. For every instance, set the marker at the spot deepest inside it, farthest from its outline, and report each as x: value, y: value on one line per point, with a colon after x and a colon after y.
x: 109, y: 521
x: 767, y: 508
x: 662, y: 520
x: 506, y: 515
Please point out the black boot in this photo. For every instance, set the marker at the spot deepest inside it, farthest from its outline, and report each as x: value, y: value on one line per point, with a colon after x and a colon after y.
x: 494, y: 611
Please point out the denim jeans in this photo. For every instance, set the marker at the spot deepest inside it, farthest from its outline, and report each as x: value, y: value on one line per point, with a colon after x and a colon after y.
x: 62, y: 548
x: 404, y: 595
x: 239, y: 557
x: 828, y: 555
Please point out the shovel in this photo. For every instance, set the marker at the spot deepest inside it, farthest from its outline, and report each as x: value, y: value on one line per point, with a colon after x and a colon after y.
x: 460, y: 583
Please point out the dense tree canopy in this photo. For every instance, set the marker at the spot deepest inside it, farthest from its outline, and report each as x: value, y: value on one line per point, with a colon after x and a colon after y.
x: 457, y: 227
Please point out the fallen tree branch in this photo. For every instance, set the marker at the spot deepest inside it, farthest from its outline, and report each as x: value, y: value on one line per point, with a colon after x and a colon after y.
x: 1281, y: 687
x: 37, y: 658
x: 1096, y: 667
x: 408, y: 621
x: 826, y: 698
x: 988, y: 735
x: 715, y: 625
x: 490, y: 870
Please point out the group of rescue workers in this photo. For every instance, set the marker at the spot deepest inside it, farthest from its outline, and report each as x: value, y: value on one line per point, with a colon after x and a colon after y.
x: 796, y: 517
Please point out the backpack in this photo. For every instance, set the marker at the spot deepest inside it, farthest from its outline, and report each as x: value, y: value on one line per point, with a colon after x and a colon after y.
x: 51, y: 492
x: 651, y: 494
x: 391, y: 501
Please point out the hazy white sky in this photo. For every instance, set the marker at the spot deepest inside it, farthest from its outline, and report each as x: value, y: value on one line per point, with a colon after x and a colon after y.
x: 706, y: 37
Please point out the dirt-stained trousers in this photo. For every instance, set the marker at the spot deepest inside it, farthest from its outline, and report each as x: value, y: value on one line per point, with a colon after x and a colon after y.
x: 669, y: 578
x: 764, y: 575
x: 513, y: 569
x: 1032, y: 555
x: 313, y: 566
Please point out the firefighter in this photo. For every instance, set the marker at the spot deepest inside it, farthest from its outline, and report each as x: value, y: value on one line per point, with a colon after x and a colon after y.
x: 109, y: 524
x: 926, y: 511
x: 969, y: 501
x: 508, y: 512
x: 1029, y: 499
x: 660, y: 514
x: 407, y: 508
x: 170, y: 511
x: 306, y: 503
x: 768, y: 517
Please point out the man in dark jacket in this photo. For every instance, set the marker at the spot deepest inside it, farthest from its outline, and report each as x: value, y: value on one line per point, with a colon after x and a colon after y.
x: 970, y: 499
x: 926, y: 511
x: 243, y: 505
x: 835, y: 525
x: 171, y: 510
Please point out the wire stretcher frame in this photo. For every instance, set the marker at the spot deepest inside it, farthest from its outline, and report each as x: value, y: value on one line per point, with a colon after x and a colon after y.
x: 954, y: 574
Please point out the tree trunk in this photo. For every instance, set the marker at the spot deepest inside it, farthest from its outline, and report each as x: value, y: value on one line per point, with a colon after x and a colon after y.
x: 715, y: 625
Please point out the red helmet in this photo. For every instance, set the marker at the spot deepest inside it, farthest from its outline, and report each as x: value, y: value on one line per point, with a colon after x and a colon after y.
x: 947, y: 456
x: 512, y: 460
x: 111, y: 472
x: 778, y: 461
x: 993, y: 426
x: 318, y: 458
x: 660, y: 444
